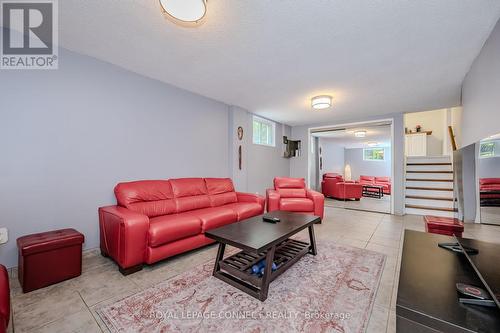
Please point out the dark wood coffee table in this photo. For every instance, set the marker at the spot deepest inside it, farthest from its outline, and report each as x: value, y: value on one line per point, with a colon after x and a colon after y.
x: 260, y: 240
x: 373, y: 191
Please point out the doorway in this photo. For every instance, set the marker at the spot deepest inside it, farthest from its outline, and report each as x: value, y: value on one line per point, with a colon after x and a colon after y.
x: 352, y: 165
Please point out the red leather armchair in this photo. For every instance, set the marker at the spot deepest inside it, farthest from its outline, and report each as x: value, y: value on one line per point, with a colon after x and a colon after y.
x: 4, y: 299
x: 157, y: 219
x: 291, y: 194
x: 334, y: 186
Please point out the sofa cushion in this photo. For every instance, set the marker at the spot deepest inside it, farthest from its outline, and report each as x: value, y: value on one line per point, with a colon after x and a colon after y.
x: 245, y: 210
x: 489, y: 181
x: 292, y: 192
x: 286, y: 182
x: 148, y: 197
x: 221, y: 191
x: 366, y: 179
x: 214, y: 217
x: 296, y: 204
x: 169, y: 228
x: 186, y: 187
x: 190, y: 193
x: 382, y: 179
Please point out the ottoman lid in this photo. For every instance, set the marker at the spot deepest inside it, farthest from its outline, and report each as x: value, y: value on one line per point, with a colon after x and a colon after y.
x: 444, y: 223
x: 46, y: 241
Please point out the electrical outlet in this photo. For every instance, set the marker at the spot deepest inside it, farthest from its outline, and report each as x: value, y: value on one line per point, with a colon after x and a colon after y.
x: 4, y: 235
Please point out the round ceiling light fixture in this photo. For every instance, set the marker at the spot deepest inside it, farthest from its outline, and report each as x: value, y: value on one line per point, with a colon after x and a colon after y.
x: 360, y: 134
x: 372, y: 144
x: 189, y: 11
x: 321, y: 102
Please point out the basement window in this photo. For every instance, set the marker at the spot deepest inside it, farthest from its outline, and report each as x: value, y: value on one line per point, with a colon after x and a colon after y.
x: 487, y: 149
x: 374, y: 154
x: 263, y: 132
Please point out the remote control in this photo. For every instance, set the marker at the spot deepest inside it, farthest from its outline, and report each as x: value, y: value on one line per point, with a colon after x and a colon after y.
x: 271, y: 219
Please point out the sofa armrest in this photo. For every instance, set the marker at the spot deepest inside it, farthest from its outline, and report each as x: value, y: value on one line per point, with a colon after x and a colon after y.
x: 250, y: 197
x: 319, y: 202
x: 273, y: 200
x: 123, y: 235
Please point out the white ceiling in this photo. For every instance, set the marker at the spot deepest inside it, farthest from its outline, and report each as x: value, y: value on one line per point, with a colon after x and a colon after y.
x: 346, y: 138
x: 270, y: 57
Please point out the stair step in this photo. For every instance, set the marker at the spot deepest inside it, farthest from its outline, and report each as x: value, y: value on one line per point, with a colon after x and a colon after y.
x: 428, y: 159
x: 428, y: 180
x: 443, y: 209
x: 430, y: 193
x: 416, y: 211
x: 425, y: 171
x: 423, y: 197
x: 430, y: 202
x: 433, y: 167
x: 429, y: 188
x: 447, y: 163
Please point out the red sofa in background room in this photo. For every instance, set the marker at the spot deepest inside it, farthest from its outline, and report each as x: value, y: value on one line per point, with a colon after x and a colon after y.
x: 489, y: 191
x: 334, y: 186
x: 385, y: 182
x: 291, y: 194
x: 157, y: 219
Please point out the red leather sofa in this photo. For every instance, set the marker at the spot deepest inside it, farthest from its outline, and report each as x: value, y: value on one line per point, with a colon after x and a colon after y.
x: 291, y: 194
x: 489, y: 191
x: 385, y: 182
x: 334, y: 186
x: 157, y: 219
x: 4, y: 299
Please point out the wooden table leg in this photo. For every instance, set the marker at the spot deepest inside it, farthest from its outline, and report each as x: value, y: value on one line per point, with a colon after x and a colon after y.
x: 312, y: 240
x: 266, y: 279
x: 220, y: 256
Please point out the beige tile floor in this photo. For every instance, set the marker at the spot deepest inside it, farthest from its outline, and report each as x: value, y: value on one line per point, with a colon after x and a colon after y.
x: 70, y: 306
x: 382, y: 205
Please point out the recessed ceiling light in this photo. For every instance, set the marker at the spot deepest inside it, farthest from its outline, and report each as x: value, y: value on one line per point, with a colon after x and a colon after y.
x: 321, y: 102
x: 360, y: 134
x: 185, y: 10
x: 372, y: 144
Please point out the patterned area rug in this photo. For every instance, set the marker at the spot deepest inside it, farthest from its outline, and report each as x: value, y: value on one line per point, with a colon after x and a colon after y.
x: 331, y: 292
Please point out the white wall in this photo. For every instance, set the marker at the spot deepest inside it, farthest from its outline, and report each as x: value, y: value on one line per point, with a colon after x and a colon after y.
x: 354, y: 158
x: 481, y: 93
x: 299, y: 165
x: 260, y: 164
x: 434, y: 121
x: 333, y: 156
x: 68, y: 136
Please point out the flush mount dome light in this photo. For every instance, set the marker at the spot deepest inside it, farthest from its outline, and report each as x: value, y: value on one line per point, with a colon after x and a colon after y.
x: 321, y: 102
x: 185, y: 10
x: 360, y: 134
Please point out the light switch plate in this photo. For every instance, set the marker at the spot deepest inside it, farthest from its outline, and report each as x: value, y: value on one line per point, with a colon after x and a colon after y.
x: 4, y: 235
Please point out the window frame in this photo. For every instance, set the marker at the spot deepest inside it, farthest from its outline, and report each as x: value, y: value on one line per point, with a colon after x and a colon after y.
x: 269, y: 124
x: 493, y: 151
x: 373, y: 160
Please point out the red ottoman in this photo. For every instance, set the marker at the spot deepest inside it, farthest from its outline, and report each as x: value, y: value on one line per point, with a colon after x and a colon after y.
x: 444, y: 225
x: 49, y: 257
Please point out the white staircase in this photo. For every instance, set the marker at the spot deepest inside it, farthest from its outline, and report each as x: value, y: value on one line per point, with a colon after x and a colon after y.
x: 429, y: 186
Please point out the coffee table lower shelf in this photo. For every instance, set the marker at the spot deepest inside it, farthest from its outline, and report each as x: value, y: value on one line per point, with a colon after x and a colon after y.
x: 237, y: 269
